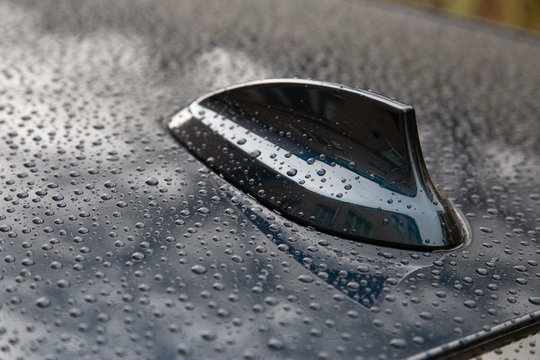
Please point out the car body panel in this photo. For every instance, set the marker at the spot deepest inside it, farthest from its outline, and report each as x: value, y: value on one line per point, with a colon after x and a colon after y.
x: 343, y: 161
x: 116, y: 242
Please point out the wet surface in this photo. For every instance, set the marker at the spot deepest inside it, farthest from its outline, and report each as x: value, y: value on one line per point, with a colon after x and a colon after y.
x: 526, y: 348
x: 116, y: 242
x: 343, y: 161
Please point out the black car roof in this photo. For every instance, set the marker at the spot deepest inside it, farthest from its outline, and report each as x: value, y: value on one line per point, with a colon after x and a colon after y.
x: 116, y: 242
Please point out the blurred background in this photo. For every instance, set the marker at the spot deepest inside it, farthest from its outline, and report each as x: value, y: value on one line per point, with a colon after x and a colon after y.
x: 520, y: 14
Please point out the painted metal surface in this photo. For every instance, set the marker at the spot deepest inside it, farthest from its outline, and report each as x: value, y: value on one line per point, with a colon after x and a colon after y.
x: 116, y: 242
x: 344, y: 161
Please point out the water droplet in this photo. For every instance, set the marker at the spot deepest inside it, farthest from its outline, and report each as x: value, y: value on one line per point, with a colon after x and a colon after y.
x: 43, y: 302
x: 254, y: 153
x: 209, y: 335
x: 203, y: 210
x: 306, y: 278
x: 292, y: 172
x: 151, y: 181
x: 198, y: 269
x: 398, y: 343
x: 535, y: 300
x: 185, y: 350
x: 275, y: 344
x: 426, y: 315
x: 137, y: 256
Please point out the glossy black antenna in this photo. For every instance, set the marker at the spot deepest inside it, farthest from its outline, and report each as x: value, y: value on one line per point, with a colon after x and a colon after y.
x: 344, y: 161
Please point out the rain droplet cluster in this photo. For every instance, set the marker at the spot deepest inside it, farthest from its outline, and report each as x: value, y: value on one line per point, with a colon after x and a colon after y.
x: 116, y: 243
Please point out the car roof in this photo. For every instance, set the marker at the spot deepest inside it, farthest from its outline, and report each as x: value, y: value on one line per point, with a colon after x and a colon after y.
x: 116, y: 242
